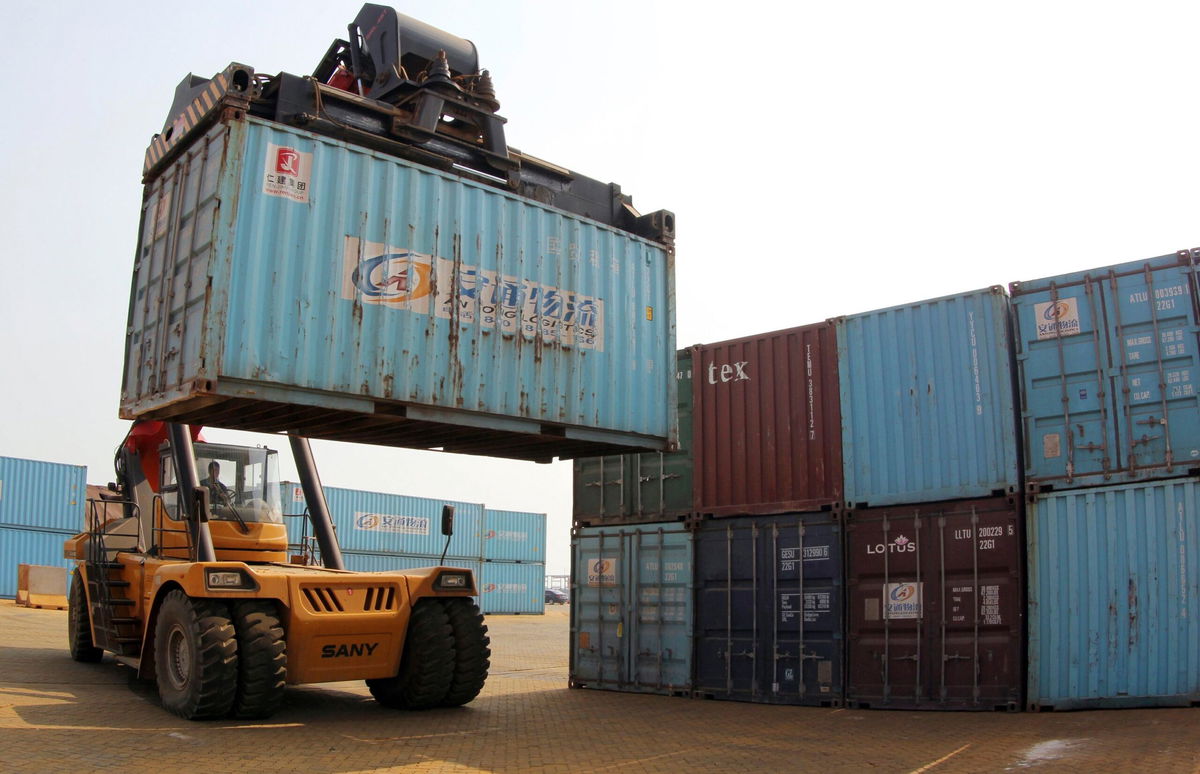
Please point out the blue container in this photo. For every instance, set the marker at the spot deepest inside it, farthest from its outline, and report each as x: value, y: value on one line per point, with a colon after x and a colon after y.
x: 376, y: 522
x: 1110, y: 373
x: 390, y: 303
x: 631, y: 609
x: 368, y: 562
x: 514, y: 536
x: 43, y: 495
x: 1114, y: 596
x: 928, y: 411
x: 29, y: 546
x: 769, y: 602
x: 512, y: 587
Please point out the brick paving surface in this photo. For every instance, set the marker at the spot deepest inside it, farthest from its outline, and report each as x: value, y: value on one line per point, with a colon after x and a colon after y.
x: 60, y: 716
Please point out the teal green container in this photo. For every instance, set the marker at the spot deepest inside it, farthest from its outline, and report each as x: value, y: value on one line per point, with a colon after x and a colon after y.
x: 631, y: 609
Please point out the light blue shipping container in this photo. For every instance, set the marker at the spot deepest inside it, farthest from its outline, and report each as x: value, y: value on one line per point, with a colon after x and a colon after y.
x: 386, y: 302
x: 366, y: 562
x: 1114, y: 596
x: 377, y: 522
x: 512, y: 587
x: 44, y: 495
x: 1110, y: 373
x: 29, y: 546
x: 928, y: 411
x: 631, y: 609
x: 514, y: 536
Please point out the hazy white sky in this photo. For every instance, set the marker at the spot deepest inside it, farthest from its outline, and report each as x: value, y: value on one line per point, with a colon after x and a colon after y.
x: 821, y: 158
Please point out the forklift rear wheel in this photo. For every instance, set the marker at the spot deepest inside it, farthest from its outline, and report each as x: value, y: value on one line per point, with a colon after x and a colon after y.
x: 471, y: 652
x: 262, y: 659
x: 79, y: 626
x: 195, y: 657
x: 427, y: 665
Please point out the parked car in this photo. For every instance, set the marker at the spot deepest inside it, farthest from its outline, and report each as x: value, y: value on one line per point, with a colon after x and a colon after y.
x: 556, y: 597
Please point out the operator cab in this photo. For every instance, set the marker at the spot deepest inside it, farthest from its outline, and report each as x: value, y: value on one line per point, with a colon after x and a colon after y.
x: 242, y: 482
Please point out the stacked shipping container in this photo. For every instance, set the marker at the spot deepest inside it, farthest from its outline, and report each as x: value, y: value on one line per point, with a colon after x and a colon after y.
x: 41, y: 505
x: 1108, y: 364
x: 378, y: 531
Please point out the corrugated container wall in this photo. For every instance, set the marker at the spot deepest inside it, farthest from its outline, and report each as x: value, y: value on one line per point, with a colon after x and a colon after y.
x: 393, y: 304
x: 934, y: 606
x: 631, y: 609
x: 45, y: 495
x: 29, y: 546
x: 1110, y: 373
x: 769, y: 620
x: 1114, y: 596
x: 513, y: 536
x: 928, y: 411
x: 767, y: 423
x: 367, y: 562
x: 377, y: 522
x: 512, y: 587
x: 641, y: 488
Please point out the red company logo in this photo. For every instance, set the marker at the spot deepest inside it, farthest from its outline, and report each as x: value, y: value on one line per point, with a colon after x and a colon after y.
x: 287, y: 162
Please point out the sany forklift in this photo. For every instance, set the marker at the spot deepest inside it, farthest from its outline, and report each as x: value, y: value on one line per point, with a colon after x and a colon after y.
x: 193, y: 588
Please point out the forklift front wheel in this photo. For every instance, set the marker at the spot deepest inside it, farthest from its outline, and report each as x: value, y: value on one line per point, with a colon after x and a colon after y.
x: 195, y: 657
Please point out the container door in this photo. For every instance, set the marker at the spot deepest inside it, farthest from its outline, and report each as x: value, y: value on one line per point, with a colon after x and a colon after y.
x: 1155, y: 378
x: 803, y: 603
x: 598, y: 604
x: 660, y: 628
x: 887, y: 589
x: 1069, y: 428
x: 975, y: 613
x: 729, y: 643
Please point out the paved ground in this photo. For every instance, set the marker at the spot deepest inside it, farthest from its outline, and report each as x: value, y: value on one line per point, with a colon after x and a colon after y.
x: 56, y: 715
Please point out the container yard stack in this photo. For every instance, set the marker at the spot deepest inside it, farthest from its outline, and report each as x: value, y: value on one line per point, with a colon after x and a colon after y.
x: 932, y: 476
x: 41, y: 504
x: 768, y: 571
x: 1108, y: 365
x: 513, y: 575
x: 631, y: 564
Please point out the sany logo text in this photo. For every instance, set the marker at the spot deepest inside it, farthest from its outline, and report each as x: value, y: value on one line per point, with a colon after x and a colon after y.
x: 727, y: 372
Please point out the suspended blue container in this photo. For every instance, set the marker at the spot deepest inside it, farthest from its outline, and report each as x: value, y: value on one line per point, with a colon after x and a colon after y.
x: 514, y: 536
x: 1110, y: 373
x: 377, y: 522
x: 512, y: 587
x: 1114, y: 596
x: 631, y: 609
x: 29, y: 546
x: 928, y: 411
x: 43, y: 495
x: 363, y: 298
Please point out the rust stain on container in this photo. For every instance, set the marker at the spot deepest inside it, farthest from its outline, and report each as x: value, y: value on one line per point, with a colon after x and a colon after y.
x: 768, y: 435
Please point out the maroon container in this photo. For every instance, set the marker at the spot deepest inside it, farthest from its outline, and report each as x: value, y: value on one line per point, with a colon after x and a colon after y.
x: 768, y: 436
x: 934, y: 604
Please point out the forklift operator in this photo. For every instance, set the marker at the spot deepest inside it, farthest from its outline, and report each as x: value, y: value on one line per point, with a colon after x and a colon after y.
x: 220, y: 494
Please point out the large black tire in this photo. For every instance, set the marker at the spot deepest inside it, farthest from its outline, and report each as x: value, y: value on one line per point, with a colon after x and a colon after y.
x: 79, y: 624
x: 427, y: 665
x: 262, y: 659
x: 195, y: 657
x: 471, y: 652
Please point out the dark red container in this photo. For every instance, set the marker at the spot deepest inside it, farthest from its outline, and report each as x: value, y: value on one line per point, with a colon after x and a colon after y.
x: 768, y: 435
x: 934, y: 604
